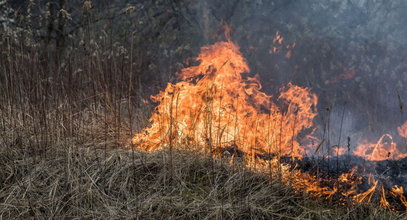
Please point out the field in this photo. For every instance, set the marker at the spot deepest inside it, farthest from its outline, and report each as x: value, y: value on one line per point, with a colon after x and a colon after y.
x: 76, y: 86
x: 73, y: 181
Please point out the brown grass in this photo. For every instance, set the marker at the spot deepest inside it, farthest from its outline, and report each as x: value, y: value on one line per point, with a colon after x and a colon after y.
x: 77, y: 180
x: 65, y: 117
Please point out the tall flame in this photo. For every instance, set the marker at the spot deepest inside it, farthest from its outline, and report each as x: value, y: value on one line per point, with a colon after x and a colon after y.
x: 214, y: 106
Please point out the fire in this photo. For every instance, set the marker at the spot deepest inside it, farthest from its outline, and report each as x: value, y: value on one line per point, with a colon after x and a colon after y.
x: 351, y: 181
x: 215, y: 106
x: 348, y: 73
x: 383, y: 201
x: 399, y: 192
x: 402, y: 130
x: 366, y: 196
x: 338, y: 151
x: 384, y: 149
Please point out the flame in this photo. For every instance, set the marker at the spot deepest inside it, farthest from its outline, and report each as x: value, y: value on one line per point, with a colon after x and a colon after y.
x: 348, y: 73
x: 338, y: 151
x: 365, y: 197
x: 383, y: 201
x: 385, y: 148
x: 214, y: 106
x: 402, y: 130
x: 398, y: 191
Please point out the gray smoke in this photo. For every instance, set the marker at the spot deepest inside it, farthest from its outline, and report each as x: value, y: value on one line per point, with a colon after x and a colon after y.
x: 351, y: 53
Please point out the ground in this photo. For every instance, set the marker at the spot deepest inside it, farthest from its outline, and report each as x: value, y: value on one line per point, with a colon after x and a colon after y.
x: 84, y: 182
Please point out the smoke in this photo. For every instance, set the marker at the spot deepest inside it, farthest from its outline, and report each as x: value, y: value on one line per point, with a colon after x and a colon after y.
x: 351, y: 53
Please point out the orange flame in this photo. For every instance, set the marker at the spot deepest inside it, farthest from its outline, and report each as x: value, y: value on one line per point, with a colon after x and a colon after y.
x: 215, y: 106
x: 402, y: 130
x: 383, y: 149
x: 383, y: 201
x: 365, y: 197
x: 348, y: 73
x: 399, y: 192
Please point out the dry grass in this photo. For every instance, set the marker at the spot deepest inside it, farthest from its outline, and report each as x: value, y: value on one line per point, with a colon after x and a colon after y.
x: 64, y: 122
x: 84, y: 182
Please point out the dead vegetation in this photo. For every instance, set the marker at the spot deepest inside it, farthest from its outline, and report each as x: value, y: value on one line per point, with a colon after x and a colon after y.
x: 88, y: 176
x: 80, y: 182
x: 67, y: 113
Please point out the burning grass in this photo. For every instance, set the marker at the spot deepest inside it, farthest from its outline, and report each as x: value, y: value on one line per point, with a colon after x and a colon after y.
x: 64, y: 124
x: 214, y: 108
x: 51, y: 173
x: 80, y: 182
